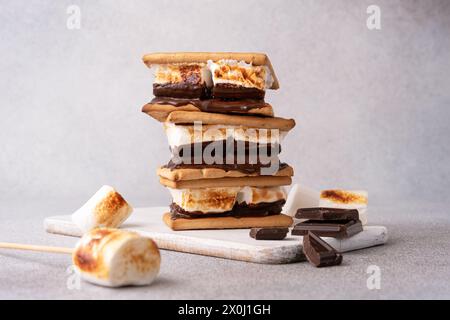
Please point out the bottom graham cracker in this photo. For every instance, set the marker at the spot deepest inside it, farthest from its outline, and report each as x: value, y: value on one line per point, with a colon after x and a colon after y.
x: 279, y: 220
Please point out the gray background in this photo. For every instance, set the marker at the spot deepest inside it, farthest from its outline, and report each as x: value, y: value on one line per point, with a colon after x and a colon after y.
x: 372, y: 108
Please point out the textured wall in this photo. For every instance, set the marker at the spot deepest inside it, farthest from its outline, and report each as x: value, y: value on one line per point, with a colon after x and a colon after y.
x: 372, y: 107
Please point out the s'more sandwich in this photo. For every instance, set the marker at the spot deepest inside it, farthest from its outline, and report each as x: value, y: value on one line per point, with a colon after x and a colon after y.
x: 217, y: 82
x: 224, y: 171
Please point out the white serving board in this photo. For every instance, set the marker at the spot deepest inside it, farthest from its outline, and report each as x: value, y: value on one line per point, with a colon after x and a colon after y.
x: 233, y: 244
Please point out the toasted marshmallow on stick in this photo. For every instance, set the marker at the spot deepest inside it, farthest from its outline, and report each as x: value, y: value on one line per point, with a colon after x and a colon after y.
x: 346, y: 199
x: 106, y: 208
x: 113, y: 258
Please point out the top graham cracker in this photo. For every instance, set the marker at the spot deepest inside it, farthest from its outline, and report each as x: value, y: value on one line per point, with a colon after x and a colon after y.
x: 257, y: 59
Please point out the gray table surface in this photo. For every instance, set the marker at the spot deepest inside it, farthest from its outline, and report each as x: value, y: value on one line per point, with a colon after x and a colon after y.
x: 415, y: 263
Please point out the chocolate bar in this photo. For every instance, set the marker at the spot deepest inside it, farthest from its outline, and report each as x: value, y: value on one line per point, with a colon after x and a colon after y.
x: 269, y: 233
x: 180, y: 90
x: 249, y: 158
x: 321, y: 213
x: 242, y: 150
x: 231, y: 91
x: 319, y: 253
x: 334, y: 229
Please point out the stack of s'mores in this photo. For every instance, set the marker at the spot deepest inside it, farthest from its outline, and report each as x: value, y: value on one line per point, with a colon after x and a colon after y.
x: 224, y: 140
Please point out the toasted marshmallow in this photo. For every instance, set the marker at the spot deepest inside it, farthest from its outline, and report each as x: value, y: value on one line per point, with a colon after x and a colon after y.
x: 205, y: 200
x: 113, y: 258
x: 254, y: 195
x: 216, y: 200
x: 106, y: 208
x: 240, y: 73
x: 194, y: 73
x: 346, y: 199
x: 178, y: 135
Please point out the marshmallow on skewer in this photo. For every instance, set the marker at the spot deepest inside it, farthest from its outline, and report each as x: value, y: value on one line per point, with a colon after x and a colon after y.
x: 113, y: 258
x: 106, y: 208
x: 346, y: 199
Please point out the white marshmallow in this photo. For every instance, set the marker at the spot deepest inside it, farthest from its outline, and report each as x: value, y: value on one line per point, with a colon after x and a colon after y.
x: 300, y: 197
x: 106, y: 208
x: 178, y: 135
x: 255, y: 195
x: 346, y: 199
x: 113, y: 258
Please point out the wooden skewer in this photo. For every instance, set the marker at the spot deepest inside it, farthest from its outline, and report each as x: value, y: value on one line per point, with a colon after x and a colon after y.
x: 19, y: 246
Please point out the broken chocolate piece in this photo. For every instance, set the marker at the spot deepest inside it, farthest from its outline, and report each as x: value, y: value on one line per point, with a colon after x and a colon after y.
x: 269, y: 233
x: 321, y: 213
x: 319, y: 253
x: 334, y: 229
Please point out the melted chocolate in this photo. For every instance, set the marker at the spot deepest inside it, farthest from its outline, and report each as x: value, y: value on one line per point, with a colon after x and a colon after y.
x: 213, y: 105
x: 231, y: 91
x: 180, y: 90
x: 231, y: 144
x: 181, y: 161
x: 239, y: 210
